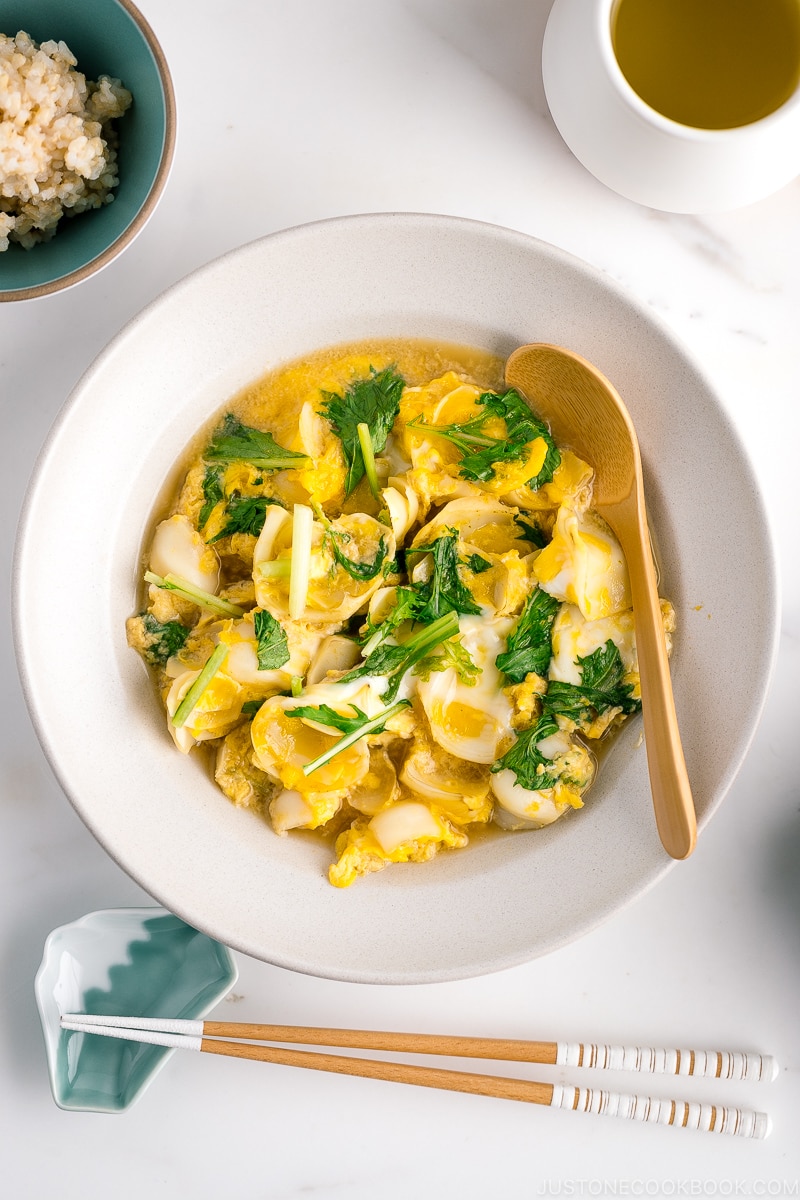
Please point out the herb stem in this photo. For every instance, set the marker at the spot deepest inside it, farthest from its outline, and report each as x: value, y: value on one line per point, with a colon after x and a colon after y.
x: 472, y: 439
x: 174, y: 583
x: 392, y: 661
x: 279, y: 568
x: 298, y: 462
x: 189, y: 701
x: 368, y: 454
x: 373, y: 643
x: 429, y: 637
x: 349, y: 738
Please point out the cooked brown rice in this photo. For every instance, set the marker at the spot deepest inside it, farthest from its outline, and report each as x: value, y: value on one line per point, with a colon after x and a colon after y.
x: 57, y: 147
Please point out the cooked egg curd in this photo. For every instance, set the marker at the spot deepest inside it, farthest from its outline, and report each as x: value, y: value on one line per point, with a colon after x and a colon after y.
x: 382, y: 598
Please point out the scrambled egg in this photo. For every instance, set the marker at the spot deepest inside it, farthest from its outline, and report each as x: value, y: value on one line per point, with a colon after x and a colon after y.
x: 466, y: 734
x: 407, y: 832
x: 584, y: 565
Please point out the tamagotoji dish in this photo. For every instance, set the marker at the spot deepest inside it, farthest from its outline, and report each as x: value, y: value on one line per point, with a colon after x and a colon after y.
x: 381, y: 598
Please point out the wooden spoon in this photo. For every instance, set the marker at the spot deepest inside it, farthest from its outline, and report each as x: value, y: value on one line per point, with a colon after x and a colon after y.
x: 586, y: 414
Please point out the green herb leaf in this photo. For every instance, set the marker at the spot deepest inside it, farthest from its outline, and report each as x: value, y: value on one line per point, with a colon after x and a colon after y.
x: 532, y: 769
x: 163, y: 639
x: 235, y: 442
x: 444, y: 592
x: 212, y: 494
x: 245, y: 514
x: 323, y: 714
x: 603, y: 669
x: 408, y: 602
x: 374, y: 402
x: 251, y: 707
x: 361, y: 571
x: 353, y: 727
x: 384, y: 660
x: 601, y: 689
x: 272, y: 650
x: 531, y: 533
x: 481, y: 453
x: 552, y: 460
x: 477, y: 564
x: 398, y: 564
x: 393, y: 661
x: 529, y: 646
x: 451, y: 654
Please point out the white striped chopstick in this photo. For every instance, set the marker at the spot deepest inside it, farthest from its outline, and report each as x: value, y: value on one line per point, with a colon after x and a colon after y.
x: 716, y: 1064
x: 204, y: 1035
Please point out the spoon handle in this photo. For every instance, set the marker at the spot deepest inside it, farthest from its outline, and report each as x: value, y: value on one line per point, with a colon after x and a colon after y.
x: 669, y: 782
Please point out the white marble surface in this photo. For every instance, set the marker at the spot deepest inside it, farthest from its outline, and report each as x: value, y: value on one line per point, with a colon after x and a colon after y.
x: 437, y: 106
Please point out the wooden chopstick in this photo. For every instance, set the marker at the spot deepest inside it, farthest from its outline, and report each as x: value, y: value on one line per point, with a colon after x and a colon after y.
x: 712, y: 1064
x: 710, y: 1118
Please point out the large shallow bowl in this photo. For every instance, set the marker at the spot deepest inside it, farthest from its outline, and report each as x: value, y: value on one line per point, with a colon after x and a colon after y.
x: 501, y: 901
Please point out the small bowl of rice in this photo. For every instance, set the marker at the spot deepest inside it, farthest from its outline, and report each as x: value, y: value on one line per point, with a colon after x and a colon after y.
x: 87, y: 134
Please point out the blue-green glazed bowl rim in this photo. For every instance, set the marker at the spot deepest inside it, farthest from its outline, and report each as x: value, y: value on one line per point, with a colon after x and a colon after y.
x: 143, y: 215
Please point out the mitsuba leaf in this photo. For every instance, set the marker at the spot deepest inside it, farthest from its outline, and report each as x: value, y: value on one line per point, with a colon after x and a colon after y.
x: 212, y: 494
x: 552, y: 460
x: 163, y: 639
x: 531, y: 533
x: 362, y: 571
x: 408, y: 602
x: 323, y: 714
x: 244, y: 514
x: 532, y: 769
x: 601, y: 688
x: 235, y: 442
x: 353, y: 727
x: 450, y: 654
x: 374, y: 402
x: 272, y: 648
x: 477, y: 564
x: 443, y: 592
x: 393, y: 661
x: 481, y: 452
x: 529, y: 647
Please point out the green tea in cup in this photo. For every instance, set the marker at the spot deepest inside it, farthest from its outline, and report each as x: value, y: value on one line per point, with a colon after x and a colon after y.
x: 710, y: 64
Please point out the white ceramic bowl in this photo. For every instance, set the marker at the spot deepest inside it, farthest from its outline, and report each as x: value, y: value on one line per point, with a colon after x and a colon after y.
x: 499, y: 902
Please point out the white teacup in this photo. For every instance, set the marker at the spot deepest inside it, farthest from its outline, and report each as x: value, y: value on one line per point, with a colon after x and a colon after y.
x: 635, y: 149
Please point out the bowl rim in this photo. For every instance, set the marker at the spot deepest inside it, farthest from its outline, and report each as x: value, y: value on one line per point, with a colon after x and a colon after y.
x: 146, y: 211
x: 603, y: 911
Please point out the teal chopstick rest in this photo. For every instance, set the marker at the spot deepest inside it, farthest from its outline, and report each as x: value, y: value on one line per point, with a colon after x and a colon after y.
x: 141, y: 962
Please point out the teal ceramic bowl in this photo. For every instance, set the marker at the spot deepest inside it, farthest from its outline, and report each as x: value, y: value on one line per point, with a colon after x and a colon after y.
x: 139, y: 962
x: 108, y: 37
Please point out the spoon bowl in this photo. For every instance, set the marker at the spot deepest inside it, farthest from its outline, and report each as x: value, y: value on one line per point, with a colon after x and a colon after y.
x: 586, y: 413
